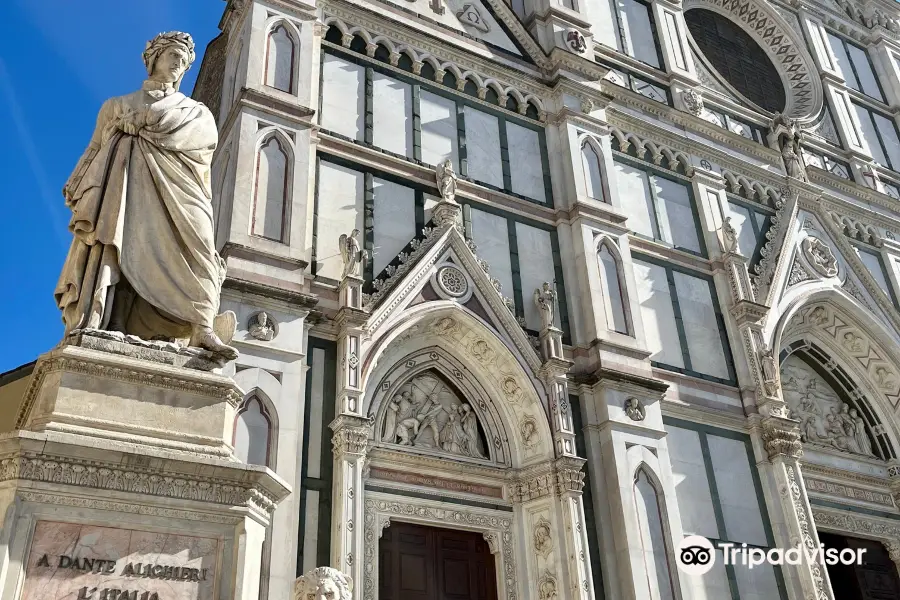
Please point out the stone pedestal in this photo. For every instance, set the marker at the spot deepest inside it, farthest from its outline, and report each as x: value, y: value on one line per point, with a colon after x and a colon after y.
x: 120, y: 483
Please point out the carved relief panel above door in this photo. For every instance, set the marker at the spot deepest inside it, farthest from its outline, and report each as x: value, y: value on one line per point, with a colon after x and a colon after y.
x: 427, y: 412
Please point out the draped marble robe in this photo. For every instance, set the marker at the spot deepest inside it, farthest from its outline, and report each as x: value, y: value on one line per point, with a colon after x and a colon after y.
x: 143, y: 248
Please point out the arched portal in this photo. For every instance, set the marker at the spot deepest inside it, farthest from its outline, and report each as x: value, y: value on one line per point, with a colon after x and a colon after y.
x: 459, y: 440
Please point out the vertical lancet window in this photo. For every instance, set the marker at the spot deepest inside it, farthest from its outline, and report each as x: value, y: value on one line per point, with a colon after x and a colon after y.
x: 280, y: 60
x: 653, y: 538
x: 271, y: 191
x: 252, y: 433
x: 612, y: 291
x: 593, y: 180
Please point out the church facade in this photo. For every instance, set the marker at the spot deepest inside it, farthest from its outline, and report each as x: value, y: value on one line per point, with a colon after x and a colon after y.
x: 654, y: 294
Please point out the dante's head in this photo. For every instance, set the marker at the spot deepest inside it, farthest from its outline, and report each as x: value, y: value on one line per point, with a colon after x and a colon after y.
x: 168, y: 56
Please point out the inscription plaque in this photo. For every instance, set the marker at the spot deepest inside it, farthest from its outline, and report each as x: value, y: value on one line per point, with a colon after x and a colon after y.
x: 68, y: 561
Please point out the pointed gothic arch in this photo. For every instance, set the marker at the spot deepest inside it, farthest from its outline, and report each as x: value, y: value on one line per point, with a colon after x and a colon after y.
x: 859, y: 352
x: 615, y: 290
x: 255, y: 435
x: 514, y: 400
x: 434, y: 373
x: 282, y: 49
x: 272, y: 186
x: 592, y: 169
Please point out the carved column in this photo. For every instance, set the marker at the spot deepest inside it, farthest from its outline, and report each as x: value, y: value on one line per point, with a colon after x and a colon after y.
x: 350, y: 320
x: 569, y: 483
x: 351, y: 434
x: 553, y: 374
x: 781, y: 439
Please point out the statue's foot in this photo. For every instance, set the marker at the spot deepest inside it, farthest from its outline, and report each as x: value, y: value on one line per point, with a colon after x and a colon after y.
x: 205, y: 338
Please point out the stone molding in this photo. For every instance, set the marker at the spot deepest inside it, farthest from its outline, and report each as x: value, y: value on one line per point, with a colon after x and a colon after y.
x: 127, y: 507
x: 846, y: 492
x: 832, y: 325
x: 111, y: 476
x: 862, y: 525
x: 94, y: 364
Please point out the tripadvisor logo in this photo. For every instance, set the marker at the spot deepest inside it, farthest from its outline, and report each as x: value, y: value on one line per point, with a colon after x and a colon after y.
x: 696, y: 555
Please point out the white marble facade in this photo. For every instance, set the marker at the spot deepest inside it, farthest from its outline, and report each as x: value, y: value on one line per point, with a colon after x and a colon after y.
x: 696, y: 285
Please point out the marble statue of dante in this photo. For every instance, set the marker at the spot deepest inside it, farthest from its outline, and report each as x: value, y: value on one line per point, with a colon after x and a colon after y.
x: 143, y: 260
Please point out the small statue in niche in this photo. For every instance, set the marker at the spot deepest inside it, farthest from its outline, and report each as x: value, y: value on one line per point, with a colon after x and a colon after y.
x: 262, y: 327
x: 769, y: 367
x: 787, y: 134
x: 729, y: 236
x: 352, y: 254
x: 635, y: 410
x: 446, y: 180
x: 544, y: 298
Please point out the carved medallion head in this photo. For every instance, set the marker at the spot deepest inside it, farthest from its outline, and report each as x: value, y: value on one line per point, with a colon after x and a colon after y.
x: 168, y: 56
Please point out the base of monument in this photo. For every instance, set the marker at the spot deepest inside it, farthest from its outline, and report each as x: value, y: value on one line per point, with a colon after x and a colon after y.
x: 121, y: 481
x: 117, y: 391
x: 91, y: 520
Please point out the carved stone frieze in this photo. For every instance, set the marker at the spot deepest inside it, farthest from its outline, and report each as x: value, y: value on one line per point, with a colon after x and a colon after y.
x: 114, y: 477
x: 858, y: 525
x: 839, y: 490
x: 825, y: 419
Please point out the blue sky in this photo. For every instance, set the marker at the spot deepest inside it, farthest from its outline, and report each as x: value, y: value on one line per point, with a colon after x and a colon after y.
x: 59, y: 60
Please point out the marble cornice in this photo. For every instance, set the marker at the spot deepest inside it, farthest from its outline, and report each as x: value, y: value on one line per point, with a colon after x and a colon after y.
x: 677, y: 141
x: 52, y: 459
x: 588, y: 213
x: 272, y: 104
x: 657, y: 250
x: 851, y: 188
x: 474, y: 58
x: 706, y: 416
x: 843, y: 476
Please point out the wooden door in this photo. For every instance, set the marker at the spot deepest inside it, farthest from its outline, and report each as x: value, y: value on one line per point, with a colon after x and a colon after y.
x: 426, y: 563
x: 875, y: 579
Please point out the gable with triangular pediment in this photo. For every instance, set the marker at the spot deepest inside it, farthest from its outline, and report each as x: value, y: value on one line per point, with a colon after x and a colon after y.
x: 444, y: 268
x: 818, y: 258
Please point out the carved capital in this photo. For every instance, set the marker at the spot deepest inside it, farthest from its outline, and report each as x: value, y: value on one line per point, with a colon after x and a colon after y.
x: 351, y: 435
x: 781, y: 437
x: 893, y: 548
x: 569, y: 475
